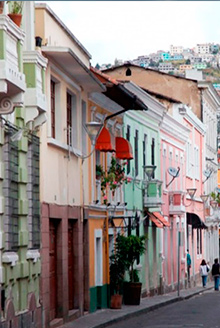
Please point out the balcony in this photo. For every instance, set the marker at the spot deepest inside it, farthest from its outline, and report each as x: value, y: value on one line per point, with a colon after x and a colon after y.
x: 176, y: 203
x: 35, y: 98
x: 12, y: 80
x: 152, y: 196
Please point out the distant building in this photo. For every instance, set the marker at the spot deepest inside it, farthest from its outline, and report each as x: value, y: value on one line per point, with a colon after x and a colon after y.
x: 176, y: 50
x: 203, y: 48
x: 166, y: 67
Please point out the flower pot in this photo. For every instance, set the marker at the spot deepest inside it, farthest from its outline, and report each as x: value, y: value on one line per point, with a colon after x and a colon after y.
x: 38, y: 41
x: 16, y: 18
x: 2, y: 7
x: 132, y: 293
x: 116, y: 301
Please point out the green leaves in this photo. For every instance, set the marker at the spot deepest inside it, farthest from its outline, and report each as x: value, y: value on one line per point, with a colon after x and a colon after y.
x: 127, y: 250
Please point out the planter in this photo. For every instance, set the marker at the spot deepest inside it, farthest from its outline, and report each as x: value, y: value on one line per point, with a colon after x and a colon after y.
x: 16, y: 18
x: 2, y: 7
x: 132, y: 293
x: 38, y: 41
x: 116, y: 301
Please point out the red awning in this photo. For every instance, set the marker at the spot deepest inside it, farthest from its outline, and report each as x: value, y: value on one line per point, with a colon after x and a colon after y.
x: 155, y: 220
x: 105, y: 141
x: 161, y: 219
x: 123, y: 148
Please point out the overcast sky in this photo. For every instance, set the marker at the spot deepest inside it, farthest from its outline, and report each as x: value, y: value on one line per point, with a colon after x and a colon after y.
x: 128, y: 29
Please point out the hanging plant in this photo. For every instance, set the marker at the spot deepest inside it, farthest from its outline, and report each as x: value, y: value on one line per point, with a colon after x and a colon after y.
x: 114, y: 177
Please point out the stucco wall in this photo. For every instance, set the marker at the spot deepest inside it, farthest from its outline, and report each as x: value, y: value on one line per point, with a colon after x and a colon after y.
x: 54, y: 35
x: 180, y: 89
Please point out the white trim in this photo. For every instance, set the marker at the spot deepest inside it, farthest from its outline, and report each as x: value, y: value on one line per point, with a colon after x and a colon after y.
x: 10, y: 258
x: 98, y: 278
x: 63, y: 77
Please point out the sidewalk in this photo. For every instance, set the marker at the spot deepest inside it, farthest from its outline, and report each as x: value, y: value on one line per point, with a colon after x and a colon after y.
x: 102, y: 318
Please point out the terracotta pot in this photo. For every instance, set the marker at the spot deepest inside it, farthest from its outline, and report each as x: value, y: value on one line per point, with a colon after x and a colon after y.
x: 132, y: 293
x: 16, y: 18
x: 116, y: 301
x: 2, y: 3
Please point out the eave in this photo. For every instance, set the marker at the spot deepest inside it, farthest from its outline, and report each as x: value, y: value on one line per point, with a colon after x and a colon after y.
x: 71, y: 64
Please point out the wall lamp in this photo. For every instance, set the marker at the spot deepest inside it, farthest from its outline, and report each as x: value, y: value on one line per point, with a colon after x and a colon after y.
x: 93, y: 129
x: 149, y: 171
x: 191, y: 192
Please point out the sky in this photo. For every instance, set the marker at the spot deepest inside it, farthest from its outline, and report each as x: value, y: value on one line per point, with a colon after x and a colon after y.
x: 124, y: 30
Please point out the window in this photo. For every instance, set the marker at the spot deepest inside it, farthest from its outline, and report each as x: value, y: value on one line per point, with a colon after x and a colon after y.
x: 33, y: 192
x: 145, y: 150
x: 98, y: 257
x: 128, y: 138
x: 153, y: 153
x: 136, y: 152
x: 52, y: 106
x: 10, y: 191
x: 69, y: 118
x: 84, y: 135
x: 128, y: 72
x: 199, y: 241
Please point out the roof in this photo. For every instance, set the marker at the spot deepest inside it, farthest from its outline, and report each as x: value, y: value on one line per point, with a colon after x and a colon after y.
x: 129, y: 64
x: 116, y: 91
x: 72, y: 64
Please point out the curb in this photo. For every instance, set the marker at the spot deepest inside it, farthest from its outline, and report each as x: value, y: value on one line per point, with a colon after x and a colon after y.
x: 150, y: 308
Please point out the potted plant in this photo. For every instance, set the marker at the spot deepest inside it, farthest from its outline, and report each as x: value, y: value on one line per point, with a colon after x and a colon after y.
x: 134, y: 247
x: 2, y: 3
x: 15, y: 11
x: 117, y: 272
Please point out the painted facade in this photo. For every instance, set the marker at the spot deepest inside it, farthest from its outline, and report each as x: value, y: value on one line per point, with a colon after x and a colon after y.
x: 64, y: 175
x: 22, y: 105
x: 142, y: 129
x: 107, y: 210
x: 175, y: 88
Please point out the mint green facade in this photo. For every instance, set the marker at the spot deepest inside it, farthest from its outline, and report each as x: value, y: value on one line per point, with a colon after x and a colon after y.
x: 148, y: 133
x: 20, y: 264
x: 99, y: 297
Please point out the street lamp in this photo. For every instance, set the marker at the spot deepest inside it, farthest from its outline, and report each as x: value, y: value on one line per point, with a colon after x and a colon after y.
x: 93, y: 129
x: 149, y: 171
x: 191, y: 192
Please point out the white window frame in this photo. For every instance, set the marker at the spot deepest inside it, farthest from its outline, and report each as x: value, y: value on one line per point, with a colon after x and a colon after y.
x: 98, y: 257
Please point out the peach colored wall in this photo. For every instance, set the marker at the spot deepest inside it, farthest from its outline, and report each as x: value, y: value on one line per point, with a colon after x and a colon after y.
x: 64, y: 173
x: 54, y: 35
x: 165, y: 84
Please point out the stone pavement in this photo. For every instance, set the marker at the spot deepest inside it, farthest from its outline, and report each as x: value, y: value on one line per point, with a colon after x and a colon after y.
x: 103, y: 318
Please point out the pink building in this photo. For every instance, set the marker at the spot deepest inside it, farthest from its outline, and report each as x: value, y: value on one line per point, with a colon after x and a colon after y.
x: 182, y: 142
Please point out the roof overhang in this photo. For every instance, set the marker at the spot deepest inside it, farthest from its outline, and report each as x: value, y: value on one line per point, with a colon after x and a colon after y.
x: 66, y: 59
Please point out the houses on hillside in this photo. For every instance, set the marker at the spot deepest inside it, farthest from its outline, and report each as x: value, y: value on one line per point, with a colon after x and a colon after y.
x: 87, y: 155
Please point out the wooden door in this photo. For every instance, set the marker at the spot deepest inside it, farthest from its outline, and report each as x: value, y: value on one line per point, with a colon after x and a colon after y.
x: 70, y: 266
x: 53, y: 270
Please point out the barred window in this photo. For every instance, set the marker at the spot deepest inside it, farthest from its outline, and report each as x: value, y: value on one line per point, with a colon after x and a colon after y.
x: 10, y: 192
x: 33, y: 192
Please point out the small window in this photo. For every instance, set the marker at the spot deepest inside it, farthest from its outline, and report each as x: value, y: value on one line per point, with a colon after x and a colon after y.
x: 69, y: 118
x: 128, y: 72
x: 128, y: 138
x: 52, y: 106
x: 11, y: 192
x: 136, y: 152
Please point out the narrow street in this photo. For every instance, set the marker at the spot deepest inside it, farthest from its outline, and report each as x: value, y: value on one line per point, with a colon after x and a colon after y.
x: 199, y: 311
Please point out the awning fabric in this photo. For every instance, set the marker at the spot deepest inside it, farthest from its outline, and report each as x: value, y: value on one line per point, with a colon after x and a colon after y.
x: 195, y: 221
x: 105, y: 141
x: 155, y: 220
x: 123, y: 148
x: 161, y: 218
